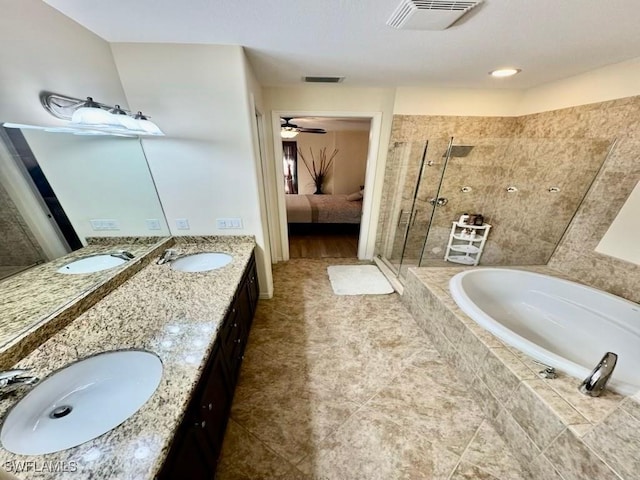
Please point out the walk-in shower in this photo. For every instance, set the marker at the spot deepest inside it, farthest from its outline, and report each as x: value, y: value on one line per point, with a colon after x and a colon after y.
x: 528, y: 189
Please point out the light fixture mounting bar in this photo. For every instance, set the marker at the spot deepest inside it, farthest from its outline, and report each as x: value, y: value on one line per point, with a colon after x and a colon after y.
x: 63, y: 106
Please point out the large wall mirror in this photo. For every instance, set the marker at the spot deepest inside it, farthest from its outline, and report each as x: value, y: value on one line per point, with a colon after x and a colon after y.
x: 101, y: 185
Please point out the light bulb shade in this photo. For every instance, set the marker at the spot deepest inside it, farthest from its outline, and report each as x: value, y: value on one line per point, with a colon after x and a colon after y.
x: 286, y: 133
x: 147, y: 125
x: 130, y: 123
x: 95, y: 117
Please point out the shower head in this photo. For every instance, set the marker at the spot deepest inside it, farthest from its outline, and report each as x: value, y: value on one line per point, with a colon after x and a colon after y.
x: 459, y: 150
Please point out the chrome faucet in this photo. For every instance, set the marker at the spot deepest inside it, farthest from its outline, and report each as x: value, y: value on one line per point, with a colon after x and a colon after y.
x: 168, y: 255
x: 12, y: 380
x: 123, y: 254
x: 594, y: 384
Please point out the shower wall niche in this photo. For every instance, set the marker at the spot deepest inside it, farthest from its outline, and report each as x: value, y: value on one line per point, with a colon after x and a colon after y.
x: 528, y: 189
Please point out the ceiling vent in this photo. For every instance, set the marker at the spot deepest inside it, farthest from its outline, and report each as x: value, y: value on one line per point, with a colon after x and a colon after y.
x: 429, y: 15
x: 322, y: 79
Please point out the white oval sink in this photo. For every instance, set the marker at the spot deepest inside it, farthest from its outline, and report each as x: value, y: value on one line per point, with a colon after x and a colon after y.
x: 81, y: 402
x: 201, y: 262
x: 94, y: 263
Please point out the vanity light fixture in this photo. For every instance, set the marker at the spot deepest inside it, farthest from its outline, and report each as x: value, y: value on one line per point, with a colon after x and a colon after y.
x: 88, y: 117
x: 505, y: 72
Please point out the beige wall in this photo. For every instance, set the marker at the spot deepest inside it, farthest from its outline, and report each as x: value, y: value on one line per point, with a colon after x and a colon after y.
x: 561, y: 148
x: 348, y: 169
x: 576, y: 254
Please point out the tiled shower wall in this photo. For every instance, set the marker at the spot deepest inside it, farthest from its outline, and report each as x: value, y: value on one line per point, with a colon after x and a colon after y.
x: 17, y: 245
x: 576, y: 255
x: 563, y: 148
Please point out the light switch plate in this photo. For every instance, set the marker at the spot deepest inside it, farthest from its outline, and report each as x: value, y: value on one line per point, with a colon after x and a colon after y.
x: 229, y: 223
x: 98, y: 224
x: 153, y: 224
x: 182, y: 224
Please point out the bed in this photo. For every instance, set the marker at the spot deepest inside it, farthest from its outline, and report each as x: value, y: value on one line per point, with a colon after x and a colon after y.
x: 327, y: 210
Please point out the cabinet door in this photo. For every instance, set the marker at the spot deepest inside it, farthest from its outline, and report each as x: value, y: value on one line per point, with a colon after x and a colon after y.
x: 214, y: 404
x: 252, y: 287
x: 189, y: 457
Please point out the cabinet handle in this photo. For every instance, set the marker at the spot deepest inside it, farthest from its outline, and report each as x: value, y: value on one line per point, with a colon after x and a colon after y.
x: 208, y: 407
x: 238, y: 340
x: 201, y: 424
x: 235, y: 325
x: 233, y: 310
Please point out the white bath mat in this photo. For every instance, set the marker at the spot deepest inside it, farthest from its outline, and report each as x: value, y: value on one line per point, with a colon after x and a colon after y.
x: 358, y: 280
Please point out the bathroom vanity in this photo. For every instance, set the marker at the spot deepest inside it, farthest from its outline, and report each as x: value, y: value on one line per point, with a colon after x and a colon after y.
x: 198, y: 441
x: 198, y: 325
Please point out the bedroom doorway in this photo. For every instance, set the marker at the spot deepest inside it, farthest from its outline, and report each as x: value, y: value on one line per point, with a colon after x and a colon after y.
x: 324, y: 162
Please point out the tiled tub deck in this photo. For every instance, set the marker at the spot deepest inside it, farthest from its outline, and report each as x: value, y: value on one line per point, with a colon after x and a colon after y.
x: 554, y: 431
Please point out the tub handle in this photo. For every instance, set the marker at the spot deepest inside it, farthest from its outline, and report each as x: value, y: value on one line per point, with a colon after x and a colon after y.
x: 547, y: 372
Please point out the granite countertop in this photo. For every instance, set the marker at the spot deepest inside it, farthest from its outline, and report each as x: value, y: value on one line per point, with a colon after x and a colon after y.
x: 174, y: 314
x: 35, y: 297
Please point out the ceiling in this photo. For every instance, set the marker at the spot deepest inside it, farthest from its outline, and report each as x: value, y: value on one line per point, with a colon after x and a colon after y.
x: 287, y: 39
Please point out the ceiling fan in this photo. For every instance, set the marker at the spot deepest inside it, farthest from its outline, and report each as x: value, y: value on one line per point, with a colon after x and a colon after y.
x: 290, y: 130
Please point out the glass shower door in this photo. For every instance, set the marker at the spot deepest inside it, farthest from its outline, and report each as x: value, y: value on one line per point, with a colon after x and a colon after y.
x: 404, y: 165
x: 426, y: 201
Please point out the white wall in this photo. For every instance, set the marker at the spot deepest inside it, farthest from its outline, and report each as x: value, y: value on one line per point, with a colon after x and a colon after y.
x: 456, y: 101
x: 99, y: 178
x: 41, y: 49
x: 607, y: 83
x: 206, y: 167
x: 619, y: 80
x: 621, y: 240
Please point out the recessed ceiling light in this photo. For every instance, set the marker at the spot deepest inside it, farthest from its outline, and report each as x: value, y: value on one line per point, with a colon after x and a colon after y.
x: 505, y: 72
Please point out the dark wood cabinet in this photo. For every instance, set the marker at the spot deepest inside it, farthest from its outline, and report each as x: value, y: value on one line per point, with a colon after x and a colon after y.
x: 196, y: 446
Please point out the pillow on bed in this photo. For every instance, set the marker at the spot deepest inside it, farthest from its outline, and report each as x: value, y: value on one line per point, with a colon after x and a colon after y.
x: 353, y: 197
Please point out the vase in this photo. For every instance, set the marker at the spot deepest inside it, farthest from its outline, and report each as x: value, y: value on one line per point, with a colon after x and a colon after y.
x: 318, y: 190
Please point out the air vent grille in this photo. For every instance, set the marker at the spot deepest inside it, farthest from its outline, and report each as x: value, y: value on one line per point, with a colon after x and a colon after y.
x: 429, y: 14
x: 322, y: 79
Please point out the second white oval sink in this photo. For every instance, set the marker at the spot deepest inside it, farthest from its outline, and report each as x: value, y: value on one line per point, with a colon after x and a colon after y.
x: 94, y: 263
x: 201, y: 262
x: 81, y: 402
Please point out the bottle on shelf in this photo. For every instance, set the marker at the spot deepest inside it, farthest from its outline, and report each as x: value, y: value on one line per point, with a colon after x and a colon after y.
x: 466, y: 241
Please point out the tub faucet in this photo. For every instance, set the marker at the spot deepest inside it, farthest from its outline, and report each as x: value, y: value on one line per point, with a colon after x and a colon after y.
x: 12, y: 380
x: 123, y: 254
x: 168, y: 255
x: 594, y: 384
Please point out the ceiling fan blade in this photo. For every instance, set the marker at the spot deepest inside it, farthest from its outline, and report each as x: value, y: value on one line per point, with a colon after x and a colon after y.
x: 311, y: 130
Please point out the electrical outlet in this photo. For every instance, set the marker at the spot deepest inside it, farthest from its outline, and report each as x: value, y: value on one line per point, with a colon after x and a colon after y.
x: 221, y: 223
x: 236, y: 223
x: 153, y: 224
x: 182, y: 224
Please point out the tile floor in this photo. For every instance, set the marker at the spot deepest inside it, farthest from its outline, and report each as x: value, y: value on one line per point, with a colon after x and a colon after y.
x: 349, y: 387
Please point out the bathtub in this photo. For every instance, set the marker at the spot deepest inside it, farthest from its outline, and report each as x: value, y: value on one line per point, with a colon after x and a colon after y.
x: 560, y: 323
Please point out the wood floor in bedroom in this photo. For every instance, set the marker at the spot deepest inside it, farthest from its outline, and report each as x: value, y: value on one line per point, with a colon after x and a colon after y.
x: 339, y: 245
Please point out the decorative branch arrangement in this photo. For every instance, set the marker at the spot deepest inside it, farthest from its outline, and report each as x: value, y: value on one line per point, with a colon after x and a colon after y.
x: 318, y: 170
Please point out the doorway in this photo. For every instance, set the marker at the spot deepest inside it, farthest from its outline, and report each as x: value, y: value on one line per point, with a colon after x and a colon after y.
x: 324, y: 163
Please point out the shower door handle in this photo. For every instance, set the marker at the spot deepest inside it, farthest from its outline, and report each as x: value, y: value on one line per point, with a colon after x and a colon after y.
x: 404, y: 217
x: 439, y: 202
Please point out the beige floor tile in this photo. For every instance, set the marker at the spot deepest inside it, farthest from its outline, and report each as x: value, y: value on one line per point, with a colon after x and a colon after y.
x: 345, y: 387
x: 244, y: 457
x: 490, y: 453
x: 465, y: 471
x: 429, y: 400
x: 372, y: 446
